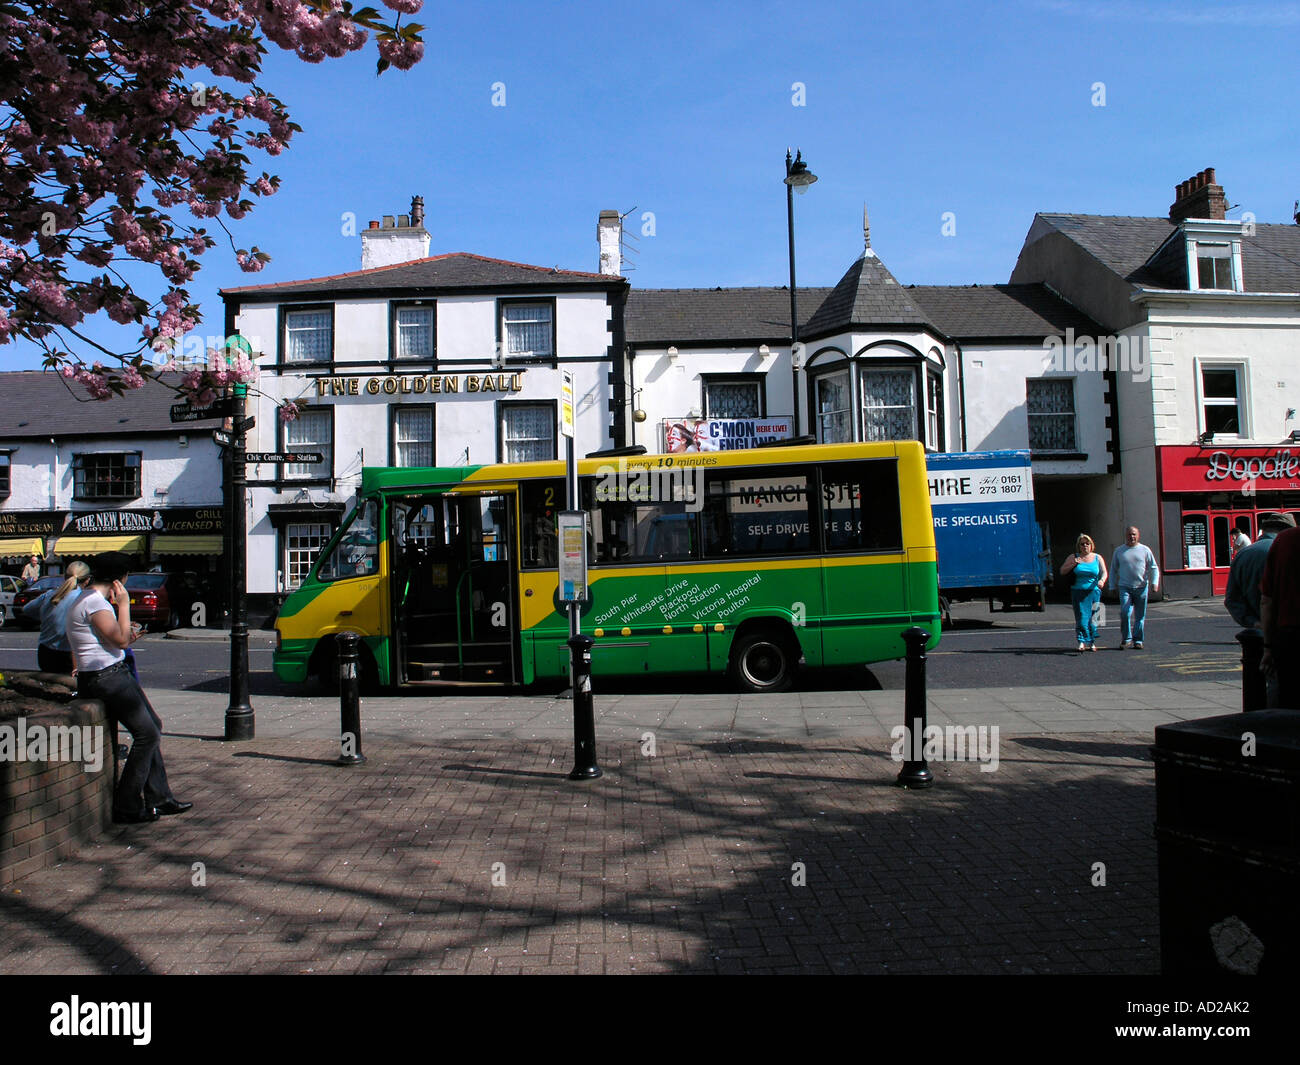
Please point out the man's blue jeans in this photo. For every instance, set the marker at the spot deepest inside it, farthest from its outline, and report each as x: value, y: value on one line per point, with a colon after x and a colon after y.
x: 1136, y: 600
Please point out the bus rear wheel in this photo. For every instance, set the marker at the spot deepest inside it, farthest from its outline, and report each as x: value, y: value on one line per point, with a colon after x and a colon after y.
x: 762, y: 662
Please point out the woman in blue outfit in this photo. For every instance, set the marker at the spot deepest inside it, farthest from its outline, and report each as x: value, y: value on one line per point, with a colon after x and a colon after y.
x: 1089, y: 570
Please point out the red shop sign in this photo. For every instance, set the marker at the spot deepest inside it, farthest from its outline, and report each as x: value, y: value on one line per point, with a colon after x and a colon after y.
x: 1231, y: 469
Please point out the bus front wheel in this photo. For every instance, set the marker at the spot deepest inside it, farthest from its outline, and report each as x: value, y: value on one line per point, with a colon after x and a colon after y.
x: 762, y: 662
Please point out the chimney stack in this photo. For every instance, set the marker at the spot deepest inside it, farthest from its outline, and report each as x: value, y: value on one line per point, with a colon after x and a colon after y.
x: 1199, y: 197
x: 609, y: 235
x: 396, y: 240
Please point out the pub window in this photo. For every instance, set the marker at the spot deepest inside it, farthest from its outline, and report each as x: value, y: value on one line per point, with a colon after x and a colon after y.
x: 888, y: 404
x: 413, y: 332
x: 302, y: 543
x: 412, y: 436
x: 106, y: 476
x: 1050, y: 405
x: 309, y: 335
x: 834, y: 408
x: 752, y: 516
x: 539, y: 502
x: 528, y: 330
x: 312, y: 430
x: 860, y: 508
x: 527, y: 432
x: 4, y: 475
x: 724, y: 398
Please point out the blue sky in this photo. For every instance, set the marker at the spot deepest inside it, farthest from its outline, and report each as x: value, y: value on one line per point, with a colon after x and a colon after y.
x: 686, y: 110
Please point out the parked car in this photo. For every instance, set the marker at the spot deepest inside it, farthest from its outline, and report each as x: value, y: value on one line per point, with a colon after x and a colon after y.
x: 9, y: 587
x: 160, y: 601
x: 32, y: 591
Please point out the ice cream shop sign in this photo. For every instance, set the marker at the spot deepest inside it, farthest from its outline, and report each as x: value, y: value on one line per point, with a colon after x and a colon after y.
x: 1246, y: 470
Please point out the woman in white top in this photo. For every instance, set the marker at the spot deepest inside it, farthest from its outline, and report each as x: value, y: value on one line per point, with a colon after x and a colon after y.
x: 99, y: 631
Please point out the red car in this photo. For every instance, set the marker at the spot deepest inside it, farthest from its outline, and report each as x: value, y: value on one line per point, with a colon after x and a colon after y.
x: 32, y: 591
x: 160, y: 601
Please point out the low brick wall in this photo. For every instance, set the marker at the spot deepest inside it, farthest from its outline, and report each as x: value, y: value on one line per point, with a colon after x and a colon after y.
x: 48, y: 808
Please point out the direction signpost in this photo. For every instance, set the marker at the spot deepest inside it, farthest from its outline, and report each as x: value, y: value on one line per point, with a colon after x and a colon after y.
x: 188, y: 412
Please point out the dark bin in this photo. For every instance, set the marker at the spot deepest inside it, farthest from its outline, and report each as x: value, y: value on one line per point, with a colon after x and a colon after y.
x: 1228, y: 839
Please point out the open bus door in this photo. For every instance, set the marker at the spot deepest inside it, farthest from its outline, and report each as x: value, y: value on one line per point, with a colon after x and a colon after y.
x: 455, y: 574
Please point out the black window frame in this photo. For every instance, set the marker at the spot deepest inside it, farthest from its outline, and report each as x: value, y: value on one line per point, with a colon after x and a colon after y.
x: 282, y: 335
x: 1073, y: 449
x: 395, y: 360
x: 508, y: 360
x: 393, y: 408
x: 6, y: 479
x: 499, y: 410
x: 283, y: 482
x: 79, y: 481
x: 707, y: 379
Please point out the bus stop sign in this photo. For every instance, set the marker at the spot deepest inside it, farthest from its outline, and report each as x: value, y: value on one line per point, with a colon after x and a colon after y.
x: 573, y: 556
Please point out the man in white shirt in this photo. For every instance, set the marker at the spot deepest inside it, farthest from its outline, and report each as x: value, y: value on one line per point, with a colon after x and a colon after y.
x: 1133, y: 568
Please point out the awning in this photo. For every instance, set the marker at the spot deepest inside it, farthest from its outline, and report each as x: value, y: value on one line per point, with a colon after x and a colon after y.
x: 93, y: 545
x: 21, y: 545
x: 186, y: 545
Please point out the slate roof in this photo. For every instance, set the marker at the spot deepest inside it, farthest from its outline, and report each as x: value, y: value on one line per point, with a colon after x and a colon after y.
x: 457, y: 270
x: 966, y: 312
x: 39, y: 405
x: 868, y: 294
x: 1270, y: 258
x: 750, y: 315
x: 703, y: 315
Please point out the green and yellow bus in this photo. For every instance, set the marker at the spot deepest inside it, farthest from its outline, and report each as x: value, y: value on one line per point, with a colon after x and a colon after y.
x: 752, y: 562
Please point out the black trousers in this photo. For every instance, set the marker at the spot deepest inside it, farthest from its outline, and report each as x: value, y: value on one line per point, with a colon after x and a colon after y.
x: 144, y: 777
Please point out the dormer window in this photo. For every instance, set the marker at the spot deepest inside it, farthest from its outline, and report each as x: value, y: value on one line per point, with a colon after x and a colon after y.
x: 1214, y: 266
x: 1213, y: 255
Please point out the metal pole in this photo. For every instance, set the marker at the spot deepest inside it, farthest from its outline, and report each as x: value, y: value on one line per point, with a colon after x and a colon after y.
x: 794, y: 305
x: 349, y: 700
x: 915, y: 772
x: 240, y: 718
x: 584, y: 717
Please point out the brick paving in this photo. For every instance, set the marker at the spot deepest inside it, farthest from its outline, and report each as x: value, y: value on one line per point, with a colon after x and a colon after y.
x: 681, y: 862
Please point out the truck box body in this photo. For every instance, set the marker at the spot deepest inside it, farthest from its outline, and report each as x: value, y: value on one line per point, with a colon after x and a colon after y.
x: 985, y: 529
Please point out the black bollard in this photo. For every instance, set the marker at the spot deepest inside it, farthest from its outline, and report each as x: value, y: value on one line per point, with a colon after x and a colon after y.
x: 1254, y: 685
x: 584, y: 718
x: 915, y: 774
x: 349, y: 700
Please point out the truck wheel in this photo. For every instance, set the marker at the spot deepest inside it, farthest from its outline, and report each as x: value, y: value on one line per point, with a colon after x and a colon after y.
x: 762, y: 662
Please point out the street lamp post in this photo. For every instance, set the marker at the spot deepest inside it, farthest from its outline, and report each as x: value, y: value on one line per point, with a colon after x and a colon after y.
x: 240, y: 720
x: 797, y: 178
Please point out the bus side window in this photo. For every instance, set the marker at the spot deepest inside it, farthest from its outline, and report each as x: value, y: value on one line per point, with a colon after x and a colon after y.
x: 860, y: 507
x: 540, y: 501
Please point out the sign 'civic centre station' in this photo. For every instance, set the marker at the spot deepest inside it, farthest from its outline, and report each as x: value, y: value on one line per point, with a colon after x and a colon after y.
x: 420, y: 384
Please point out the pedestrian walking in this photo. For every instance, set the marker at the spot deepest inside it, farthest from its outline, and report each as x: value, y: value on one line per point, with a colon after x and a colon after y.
x: 1242, y: 596
x: 1279, y: 614
x: 1135, y: 573
x: 1089, y: 570
x: 31, y: 571
x: 53, y: 652
x: 99, y: 630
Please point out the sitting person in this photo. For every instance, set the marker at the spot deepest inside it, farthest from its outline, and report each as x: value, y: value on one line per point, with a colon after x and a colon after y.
x: 99, y: 631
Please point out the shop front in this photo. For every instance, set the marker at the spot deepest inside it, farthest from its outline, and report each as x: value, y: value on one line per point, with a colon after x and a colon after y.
x: 24, y: 533
x: 1206, y: 494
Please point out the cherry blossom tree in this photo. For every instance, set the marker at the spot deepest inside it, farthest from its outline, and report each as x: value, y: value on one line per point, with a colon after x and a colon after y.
x: 125, y: 125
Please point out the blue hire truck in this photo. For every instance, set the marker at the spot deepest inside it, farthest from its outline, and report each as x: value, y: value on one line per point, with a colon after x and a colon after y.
x: 989, y: 541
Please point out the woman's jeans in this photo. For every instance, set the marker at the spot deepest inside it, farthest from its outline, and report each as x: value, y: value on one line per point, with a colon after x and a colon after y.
x: 1085, y: 603
x: 144, y: 779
